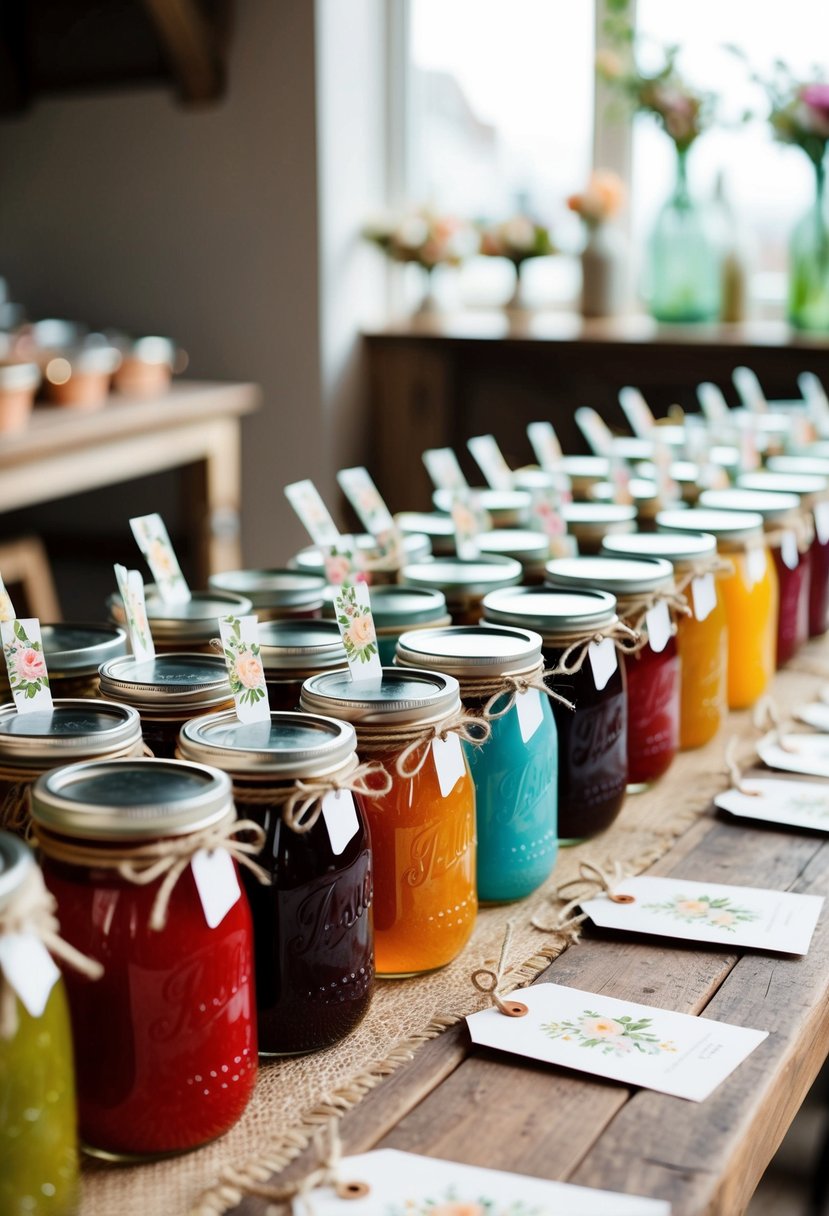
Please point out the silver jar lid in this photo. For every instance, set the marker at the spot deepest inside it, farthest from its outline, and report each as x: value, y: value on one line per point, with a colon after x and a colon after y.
x: 416, y: 547
x: 131, y: 799
x: 619, y: 575
x: 724, y: 525
x: 772, y: 507
x: 16, y: 864
x: 80, y: 649
x: 195, y: 621
x: 528, y: 547
x: 817, y: 466
x: 540, y: 479
x: 598, y: 518
x: 273, y: 588
x: 498, y: 502
x: 301, y: 645
x: 549, y: 611
x: 460, y: 578
x: 470, y: 650
x: 287, y: 745
x: 435, y: 524
x: 586, y: 468
x: 75, y: 726
x: 399, y: 606
x: 804, y: 485
x: 679, y: 548
x: 401, y: 697
x: 169, y: 682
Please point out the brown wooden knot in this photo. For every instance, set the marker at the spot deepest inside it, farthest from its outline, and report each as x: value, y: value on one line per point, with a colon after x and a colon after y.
x: 352, y: 1190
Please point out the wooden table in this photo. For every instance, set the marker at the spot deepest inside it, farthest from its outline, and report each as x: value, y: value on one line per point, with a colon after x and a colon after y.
x: 469, y: 1104
x: 195, y: 425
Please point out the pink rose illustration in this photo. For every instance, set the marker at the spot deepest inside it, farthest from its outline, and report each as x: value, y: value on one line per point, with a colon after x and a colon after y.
x: 29, y: 665
x: 249, y: 669
x: 337, y: 568
x: 361, y: 633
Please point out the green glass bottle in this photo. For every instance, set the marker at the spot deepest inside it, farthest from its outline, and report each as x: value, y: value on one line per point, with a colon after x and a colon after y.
x: 809, y: 264
x: 683, y: 280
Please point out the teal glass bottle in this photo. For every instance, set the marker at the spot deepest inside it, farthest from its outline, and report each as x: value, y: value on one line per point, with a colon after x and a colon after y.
x: 683, y: 272
x: 808, y: 305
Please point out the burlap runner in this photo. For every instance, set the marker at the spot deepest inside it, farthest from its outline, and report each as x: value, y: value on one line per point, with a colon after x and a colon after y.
x: 295, y: 1097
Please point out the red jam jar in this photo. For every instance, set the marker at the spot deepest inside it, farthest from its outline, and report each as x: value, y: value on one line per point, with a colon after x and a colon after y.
x: 592, y: 751
x: 191, y: 626
x: 463, y: 582
x: 313, y: 931
x: 165, y: 1042
x: 276, y: 595
x: 788, y: 533
x: 292, y: 651
x: 653, y: 669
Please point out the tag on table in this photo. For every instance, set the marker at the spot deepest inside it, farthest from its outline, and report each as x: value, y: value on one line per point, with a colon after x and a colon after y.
x: 753, y: 917
x: 637, y: 411
x: 545, y: 445
x: 595, y: 430
x: 6, y: 605
x: 444, y: 470
x: 817, y: 402
x: 29, y: 969
x: 217, y: 884
x: 751, y: 393
x: 469, y: 520
x: 449, y: 762
x: 313, y: 513
x: 340, y: 816
x: 704, y: 596
x: 352, y: 611
x: 603, y: 661
x: 712, y: 402
x: 240, y: 645
x: 754, y: 565
x: 672, y: 1053
x: 658, y: 626
x: 26, y: 664
x: 799, y: 804
x: 789, y: 551
x: 530, y: 709
x: 154, y: 542
x: 815, y: 714
x: 821, y: 511
x: 796, y: 753
x: 404, y: 1184
x: 131, y: 589
x: 372, y: 512
x: 491, y: 462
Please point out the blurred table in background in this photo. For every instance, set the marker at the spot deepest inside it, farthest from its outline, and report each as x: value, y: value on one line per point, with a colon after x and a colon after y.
x: 436, y: 379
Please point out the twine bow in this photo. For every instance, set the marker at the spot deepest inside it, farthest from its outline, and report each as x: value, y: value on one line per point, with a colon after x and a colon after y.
x: 510, y: 686
x: 470, y: 727
x: 488, y: 980
x: 302, y: 806
x: 635, y: 608
x: 31, y: 910
x: 573, y: 658
x: 698, y: 569
x: 592, y: 880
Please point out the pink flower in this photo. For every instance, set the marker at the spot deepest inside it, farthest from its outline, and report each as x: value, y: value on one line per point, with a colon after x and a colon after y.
x: 29, y: 665
x: 361, y: 633
x: 337, y: 568
x: 249, y: 669
x: 814, y: 109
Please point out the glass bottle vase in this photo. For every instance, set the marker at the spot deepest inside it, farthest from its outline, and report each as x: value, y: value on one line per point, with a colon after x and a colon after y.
x: 808, y: 306
x: 683, y: 272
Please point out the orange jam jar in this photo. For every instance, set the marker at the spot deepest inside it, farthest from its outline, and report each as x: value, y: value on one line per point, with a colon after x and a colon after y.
x: 702, y: 638
x: 464, y: 582
x: 749, y: 594
x: 423, y: 830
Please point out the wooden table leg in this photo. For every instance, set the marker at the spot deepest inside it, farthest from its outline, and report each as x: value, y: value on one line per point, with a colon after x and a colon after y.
x: 212, y: 498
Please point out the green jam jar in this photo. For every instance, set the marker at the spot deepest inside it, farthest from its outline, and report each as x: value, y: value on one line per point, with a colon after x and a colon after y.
x: 38, y: 1155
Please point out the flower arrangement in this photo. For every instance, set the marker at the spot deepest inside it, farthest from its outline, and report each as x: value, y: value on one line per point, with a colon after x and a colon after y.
x: 682, y: 111
x: 798, y: 111
x: 612, y: 1036
x: 424, y: 237
x: 601, y: 200
x: 517, y: 239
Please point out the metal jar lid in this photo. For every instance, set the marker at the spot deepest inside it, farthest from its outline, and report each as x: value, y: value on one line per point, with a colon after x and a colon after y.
x: 80, y: 649
x: 301, y: 646
x: 817, y: 466
x: 287, y: 745
x: 618, y: 575
x: 167, y: 683
x: 16, y: 863
x: 75, y: 726
x: 465, y: 651
x: 122, y: 800
x: 399, y: 606
x: 642, y: 489
x: 497, y: 502
x: 195, y: 621
x: 153, y: 349
x: 724, y: 525
x: 416, y: 547
x: 804, y: 485
x: 586, y: 468
x: 549, y: 611
x: 596, y: 519
x: 435, y: 524
x: 528, y: 547
x: 679, y: 548
x: 541, y: 479
x: 460, y: 578
x: 818, y: 449
x: 773, y: 507
x: 403, y: 696
x: 273, y: 588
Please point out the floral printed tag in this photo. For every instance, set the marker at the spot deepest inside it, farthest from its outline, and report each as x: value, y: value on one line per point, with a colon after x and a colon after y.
x: 313, y: 513
x: 26, y: 664
x: 444, y: 470
x: 240, y: 643
x: 470, y: 520
x: 713, y: 403
x: 6, y: 606
x: 344, y: 563
x: 800, y: 804
x: 750, y: 390
x: 673, y: 1053
x: 29, y: 969
x: 545, y: 515
x: 749, y: 454
x: 131, y: 589
x: 372, y: 512
x: 595, y: 430
x: 491, y: 462
x: 154, y: 542
x: 545, y: 444
x: 637, y: 411
x: 817, y: 402
x: 352, y: 608
x: 620, y: 481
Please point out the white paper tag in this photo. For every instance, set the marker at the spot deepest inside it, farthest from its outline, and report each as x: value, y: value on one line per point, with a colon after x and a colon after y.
x: 491, y: 462
x: 817, y: 403
x: 373, y: 513
x: 751, y: 393
x: 217, y: 884
x: 341, y: 820
x: 704, y: 595
x: 815, y: 714
x: 469, y: 520
x: 603, y: 661
x: 154, y: 542
x: 796, y: 753
x: 26, y: 665
x: 131, y: 589
x: 29, y: 969
x: 444, y: 470
x: 313, y: 513
x: 822, y: 522
x: 595, y: 430
x: 755, y: 565
x: 545, y: 444
x: 530, y: 709
x: 637, y: 411
x: 712, y: 402
x: 658, y: 626
x: 449, y: 762
x: 240, y: 644
x: 7, y: 612
x: 352, y: 610
x: 801, y: 804
x: 788, y: 550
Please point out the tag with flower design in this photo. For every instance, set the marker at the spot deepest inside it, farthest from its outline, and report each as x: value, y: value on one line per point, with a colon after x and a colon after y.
x: 154, y: 542
x: 620, y: 481
x: 545, y: 515
x: 373, y: 513
x: 637, y: 411
x: 131, y: 590
x: 800, y: 804
x: 6, y: 605
x: 490, y: 460
x: 444, y: 470
x: 344, y: 563
x: 305, y: 498
x: 352, y: 608
x: 240, y: 645
x: 595, y: 430
x: 26, y: 664
x: 545, y: 444
x: 470, y: 520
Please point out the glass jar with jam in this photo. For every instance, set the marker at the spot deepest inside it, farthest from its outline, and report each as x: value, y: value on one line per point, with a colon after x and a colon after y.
x: 529, y: 547
x: 648, y: 501
x: 166, y: 691
x: 165, y: 1041
x: 584, y: 472
x: 291, y: 651
x: 516, y: 769
x: 313, y: 934
x: 423, y: 830
x: 592, y: 737
x: 506, y: 508
x: 644, y: 588
x: 276, y: 595
x: 398, y: 609
x: 788, y: 535
x: 702, y: 639
x: 463, y: 582
x: 749, y: 594
x: 438, y: 526
x: 73, y: 729
x: 377, y: 568
x: 184, y: 627
x: 74, y: 652
x: 38, y: 1154
x: 591, y: 522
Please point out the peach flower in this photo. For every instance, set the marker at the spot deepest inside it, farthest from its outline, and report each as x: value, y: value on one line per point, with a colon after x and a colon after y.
x: 361, y: 632
x: 692, y: 907
x: 718, y: 916
x: 249, y: 669
x: 29, y: 665
x: 457, y: 1209
x: 337, y: 568
x: 601, y: 1028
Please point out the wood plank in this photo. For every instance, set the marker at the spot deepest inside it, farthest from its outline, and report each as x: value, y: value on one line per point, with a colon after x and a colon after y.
x: 191, y: 47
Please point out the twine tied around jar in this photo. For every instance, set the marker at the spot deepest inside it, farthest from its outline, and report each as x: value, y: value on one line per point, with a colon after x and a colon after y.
x: 699, y: 568
x: 800, y: 524
x: 488, y: 980
x: 510, y: 686
x: 633, y: 609
x: 578, y: 645
x: 470, y: 727
x: 593, y: 880
x: 31, y: 911
x: 301, y: 801
x: 161, y: 859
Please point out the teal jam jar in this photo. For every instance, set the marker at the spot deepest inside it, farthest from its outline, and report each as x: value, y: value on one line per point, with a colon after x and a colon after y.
x: 398, y: 609
x: 516, y: 770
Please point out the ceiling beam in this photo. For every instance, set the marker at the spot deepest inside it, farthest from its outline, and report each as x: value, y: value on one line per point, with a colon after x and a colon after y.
x: 190, y: 43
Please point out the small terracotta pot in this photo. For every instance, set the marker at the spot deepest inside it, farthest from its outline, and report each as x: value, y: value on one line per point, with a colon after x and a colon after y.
x: 81, y: 378
x: 18, y: 385
x: 146, y: 368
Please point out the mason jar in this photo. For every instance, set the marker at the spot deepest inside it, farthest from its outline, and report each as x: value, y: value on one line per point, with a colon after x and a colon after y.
x: 291, y: 651
x: 463, y: 582
x: 276, y: 595
x: 191, y: 626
